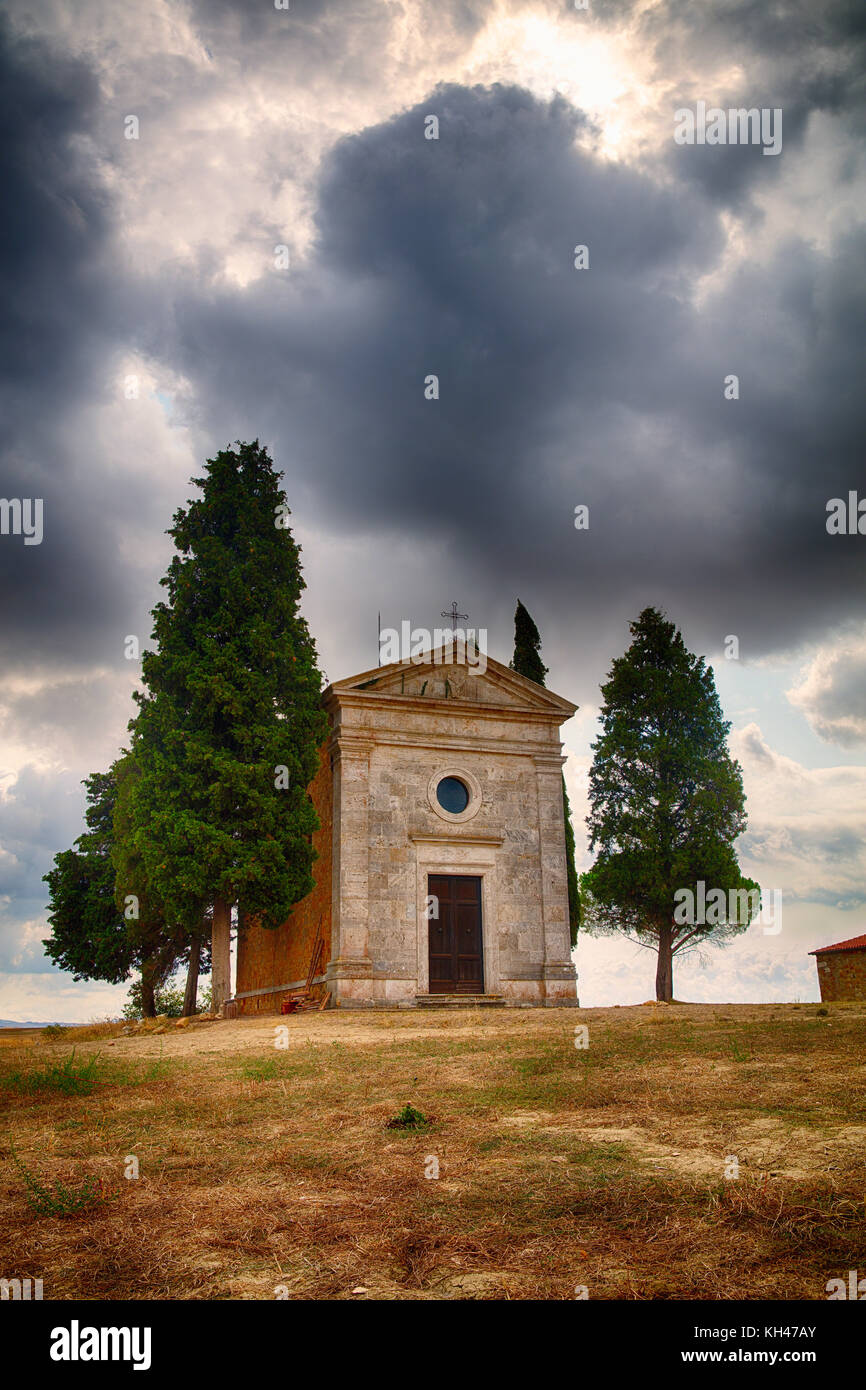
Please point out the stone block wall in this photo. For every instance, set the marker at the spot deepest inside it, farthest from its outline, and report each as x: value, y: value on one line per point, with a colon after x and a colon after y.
x: 842, y: 974
x: 282, y: 957
x: 401, y: 814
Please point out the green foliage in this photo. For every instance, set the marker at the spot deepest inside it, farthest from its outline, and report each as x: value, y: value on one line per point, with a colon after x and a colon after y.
x: 52, y: 1031
x: 666, y: 798
x: 571, y: 869
x: 409, y: 1118
x: 232, y: 692
x: 89, y: 936
x: 58, y: 1199
x: 158, y: 946
x: 168, y: 1000
x: 526, y: 661
x: 263, y: 1069
x: 68, y: 1077
x: 527, y: 647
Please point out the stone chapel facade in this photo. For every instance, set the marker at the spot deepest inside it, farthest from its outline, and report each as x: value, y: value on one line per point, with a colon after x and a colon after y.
x: 441, y: 871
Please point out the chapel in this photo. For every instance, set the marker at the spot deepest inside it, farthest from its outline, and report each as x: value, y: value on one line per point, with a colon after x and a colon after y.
x: 441, y: 869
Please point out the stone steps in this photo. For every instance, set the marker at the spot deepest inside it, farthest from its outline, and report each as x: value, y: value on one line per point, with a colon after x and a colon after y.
x: 459, y: 1001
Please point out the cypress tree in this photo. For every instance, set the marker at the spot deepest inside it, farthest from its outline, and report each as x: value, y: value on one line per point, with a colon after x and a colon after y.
x: 571, y: 869
x: 527, y: 647
x: 527, y: 662
x: 230, y: 719
x: 666, y: 799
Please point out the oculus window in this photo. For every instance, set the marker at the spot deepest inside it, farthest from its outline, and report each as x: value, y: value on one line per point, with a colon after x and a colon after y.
x: 452, y: 795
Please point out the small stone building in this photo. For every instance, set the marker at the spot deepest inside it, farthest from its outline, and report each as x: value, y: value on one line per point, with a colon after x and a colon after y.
x: 441, y: 871
x: 842, y: 969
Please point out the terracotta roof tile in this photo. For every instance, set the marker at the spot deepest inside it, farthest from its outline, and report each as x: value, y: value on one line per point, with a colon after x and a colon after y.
x: 855, y: 943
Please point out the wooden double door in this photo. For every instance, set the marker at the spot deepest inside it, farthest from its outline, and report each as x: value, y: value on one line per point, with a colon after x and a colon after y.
x: 456, y: 950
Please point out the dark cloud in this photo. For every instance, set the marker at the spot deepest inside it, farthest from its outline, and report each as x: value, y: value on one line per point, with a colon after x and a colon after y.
x: 64, y: 306
x: 558, y: 386
x: 454, y: 257
x: 817, y: 49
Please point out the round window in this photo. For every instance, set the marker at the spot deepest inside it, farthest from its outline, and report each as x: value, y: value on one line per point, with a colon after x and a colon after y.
x: 452, y: 795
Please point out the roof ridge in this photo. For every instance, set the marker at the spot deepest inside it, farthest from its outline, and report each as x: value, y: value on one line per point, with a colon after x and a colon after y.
x: 854, y: 943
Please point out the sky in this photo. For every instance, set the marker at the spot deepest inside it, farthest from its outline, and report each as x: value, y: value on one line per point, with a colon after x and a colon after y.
x: 224, y: 220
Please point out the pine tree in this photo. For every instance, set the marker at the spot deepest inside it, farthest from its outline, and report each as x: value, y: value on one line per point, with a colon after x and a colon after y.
x: 527, y: 662
x: 667, y: 800
x: 230, y: 721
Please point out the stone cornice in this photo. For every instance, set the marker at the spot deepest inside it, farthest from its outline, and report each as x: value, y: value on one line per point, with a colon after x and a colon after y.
x: 422, y: 704
x: 548, y: 762
x: 538, y: 698
x: 422, y: 837
x: 467, y: 744
x: 348, y: 744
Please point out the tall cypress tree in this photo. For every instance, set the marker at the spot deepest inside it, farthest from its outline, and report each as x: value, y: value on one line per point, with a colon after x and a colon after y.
x: 666, y: 800
x: 527, y: 662
x: 230, y: 720
x: 527, y: 647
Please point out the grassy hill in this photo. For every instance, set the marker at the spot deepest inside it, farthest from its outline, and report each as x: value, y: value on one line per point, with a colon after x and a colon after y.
x: 265, y: 1170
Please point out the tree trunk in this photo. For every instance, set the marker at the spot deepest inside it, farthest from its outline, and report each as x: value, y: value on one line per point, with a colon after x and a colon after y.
x: 665, y: 966
x: 220, y: 954
x: 148, y: 989
x: 190, y: 996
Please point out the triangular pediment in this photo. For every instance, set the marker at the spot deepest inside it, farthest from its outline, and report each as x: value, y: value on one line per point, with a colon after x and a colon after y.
x: 435, y: 677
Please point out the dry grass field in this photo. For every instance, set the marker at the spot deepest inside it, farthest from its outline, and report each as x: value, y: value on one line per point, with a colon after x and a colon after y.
x: 267, y: 1172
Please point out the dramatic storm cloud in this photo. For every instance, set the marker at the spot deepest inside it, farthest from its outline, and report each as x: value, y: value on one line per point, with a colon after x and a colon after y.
x: 55, y: 338
x: 557, y: 386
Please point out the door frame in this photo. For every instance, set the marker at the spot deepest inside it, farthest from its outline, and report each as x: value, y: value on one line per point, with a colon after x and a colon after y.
x: 476, y: 902
x: 439, y: 854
